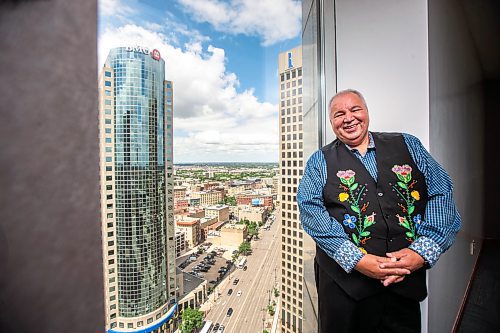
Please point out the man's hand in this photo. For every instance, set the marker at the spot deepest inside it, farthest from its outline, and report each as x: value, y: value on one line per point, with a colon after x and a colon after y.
x: 405, y: 259
x: 392, y: 279
x: 371, y: 266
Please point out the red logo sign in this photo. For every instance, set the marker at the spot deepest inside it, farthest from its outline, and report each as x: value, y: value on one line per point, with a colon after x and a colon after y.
x: 155, y: 54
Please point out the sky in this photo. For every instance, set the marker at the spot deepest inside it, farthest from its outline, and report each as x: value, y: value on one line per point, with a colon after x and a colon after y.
x: 222, y: 57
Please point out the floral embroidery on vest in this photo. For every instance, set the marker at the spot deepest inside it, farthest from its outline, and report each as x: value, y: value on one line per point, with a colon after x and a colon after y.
x: 352, y: 194
x: 409, y: 196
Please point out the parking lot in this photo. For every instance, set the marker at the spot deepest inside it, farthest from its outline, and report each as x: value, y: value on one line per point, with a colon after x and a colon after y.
x: 210, y: 265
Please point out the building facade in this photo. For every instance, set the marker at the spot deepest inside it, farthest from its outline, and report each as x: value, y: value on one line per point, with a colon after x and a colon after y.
x: 208, y: 198
x: 135, y: 122
x: 291, y: 166
x: 191, y: 227
x: 180, y: 243
x: 253, y: 214
x: 255, y: 199
x: 179, y: 192
x: 221, y: 212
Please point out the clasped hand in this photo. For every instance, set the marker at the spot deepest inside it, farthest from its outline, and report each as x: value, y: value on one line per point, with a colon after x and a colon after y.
x: 390, y: 269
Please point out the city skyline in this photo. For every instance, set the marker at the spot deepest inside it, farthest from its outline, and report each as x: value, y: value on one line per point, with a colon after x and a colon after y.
x: 223, y: 64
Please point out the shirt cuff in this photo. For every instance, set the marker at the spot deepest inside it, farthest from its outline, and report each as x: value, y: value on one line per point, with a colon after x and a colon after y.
x: 348, y: 255
x: 428, y: 249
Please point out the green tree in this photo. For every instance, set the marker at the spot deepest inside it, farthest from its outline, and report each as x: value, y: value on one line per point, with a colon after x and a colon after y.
x: 191, y: 319
x: 245, y: 247
x: 230, y: 201
x: 252, y: 229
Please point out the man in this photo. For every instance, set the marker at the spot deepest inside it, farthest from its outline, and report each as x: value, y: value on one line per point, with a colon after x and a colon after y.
x: 381, y: 211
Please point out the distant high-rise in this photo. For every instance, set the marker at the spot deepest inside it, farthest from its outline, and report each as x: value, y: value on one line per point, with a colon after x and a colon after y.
x: 135, y: 122
x: 291, y: 168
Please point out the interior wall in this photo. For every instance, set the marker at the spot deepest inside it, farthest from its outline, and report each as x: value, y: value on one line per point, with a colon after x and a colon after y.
x: 491, y: 166
x: 382, y: 52
x: 50, y: 239
x: 456, y: 141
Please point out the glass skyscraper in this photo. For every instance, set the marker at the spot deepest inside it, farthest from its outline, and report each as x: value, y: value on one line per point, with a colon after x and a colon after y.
x: 135, y: 119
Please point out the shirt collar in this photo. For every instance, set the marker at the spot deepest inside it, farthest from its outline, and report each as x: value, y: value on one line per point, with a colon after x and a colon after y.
x: 371, y: 143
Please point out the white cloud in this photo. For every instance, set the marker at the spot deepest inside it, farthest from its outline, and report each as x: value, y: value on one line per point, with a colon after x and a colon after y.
x: 217, y: 122
x: 115, y: 8
x: 273, y: 21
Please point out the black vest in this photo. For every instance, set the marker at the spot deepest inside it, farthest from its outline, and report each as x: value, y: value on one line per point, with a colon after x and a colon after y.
x: 379, y: 216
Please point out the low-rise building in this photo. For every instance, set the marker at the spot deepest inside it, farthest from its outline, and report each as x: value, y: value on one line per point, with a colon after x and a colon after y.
x: 179, y: 192
x: 252, y: 214
x: 194, y: 202
x: 207, y: 224
x: 191, y: 291
x: 180, y: 243
x: 221, y: 212
x: 231, y: 235
x: 191, y: 227
x: 181, y: 203
x: 255, y: 199
x: 208, y: 198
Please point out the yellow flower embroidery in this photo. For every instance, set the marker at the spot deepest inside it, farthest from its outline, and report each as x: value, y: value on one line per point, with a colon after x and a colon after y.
x: 363, y: 250
x: 343, y: 196
x: 415, y: 195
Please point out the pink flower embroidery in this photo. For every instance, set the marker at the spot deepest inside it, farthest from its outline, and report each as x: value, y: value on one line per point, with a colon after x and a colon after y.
x: 346, y: 174
x: 403, y: 172
x: 346, y: 177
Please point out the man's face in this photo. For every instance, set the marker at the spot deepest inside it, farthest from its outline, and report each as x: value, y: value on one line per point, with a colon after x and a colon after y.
x: 349, y: 119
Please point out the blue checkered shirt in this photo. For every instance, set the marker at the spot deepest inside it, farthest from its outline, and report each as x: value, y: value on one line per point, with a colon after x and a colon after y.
x: 438, y: 228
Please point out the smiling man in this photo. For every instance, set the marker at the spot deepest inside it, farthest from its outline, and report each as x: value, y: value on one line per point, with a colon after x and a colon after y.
x: 381, y: 211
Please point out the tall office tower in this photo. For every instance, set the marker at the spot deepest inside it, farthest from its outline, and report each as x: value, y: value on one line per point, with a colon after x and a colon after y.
x: 291, y: 168
x: 135, y: 122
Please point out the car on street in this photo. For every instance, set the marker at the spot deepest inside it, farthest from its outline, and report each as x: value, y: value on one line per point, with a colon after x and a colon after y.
x: 221, y: 329
x: 229, y: 312
x: 245, y: 268
x: 235, y: 282
x: 230, y: 291
x: 238, y: 293
x: 216, y: 327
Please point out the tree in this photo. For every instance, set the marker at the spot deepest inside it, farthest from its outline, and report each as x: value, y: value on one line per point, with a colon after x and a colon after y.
x: 230, y: 200
x: 270, y: 309
x: 245, y: 247
x: 252, y: 229
x: 191, y: 319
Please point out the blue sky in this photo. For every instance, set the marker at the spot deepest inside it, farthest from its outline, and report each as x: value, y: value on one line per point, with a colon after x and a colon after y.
x: 222, y: 57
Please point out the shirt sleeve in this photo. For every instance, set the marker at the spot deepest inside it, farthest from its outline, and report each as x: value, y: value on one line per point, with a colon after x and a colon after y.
x: 442, y: 221
x: 316, y: 222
